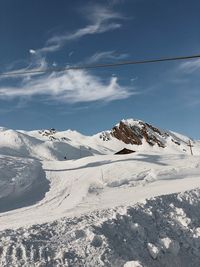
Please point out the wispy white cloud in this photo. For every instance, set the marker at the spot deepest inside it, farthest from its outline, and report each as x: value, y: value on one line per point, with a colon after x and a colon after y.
x: 116, y: 2
x: 190, y: 66
x: 71, y: 87
x: 49, y: 48
x: 75, y: 85
x: 183, y: 77
x: 32, y: 51
x: 133, y: 79
x: 101, y: 19
x: 39, y: 63
x: 70, y: 53
x: 106, y: 55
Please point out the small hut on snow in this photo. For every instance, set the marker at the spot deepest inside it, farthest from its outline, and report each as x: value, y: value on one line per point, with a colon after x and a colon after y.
x: 124, y: 151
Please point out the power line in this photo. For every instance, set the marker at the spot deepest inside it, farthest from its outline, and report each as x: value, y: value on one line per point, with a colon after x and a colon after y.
x: 96, y: 66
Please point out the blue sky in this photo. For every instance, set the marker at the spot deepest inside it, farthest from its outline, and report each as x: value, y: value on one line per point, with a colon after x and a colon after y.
x: 37, y: 34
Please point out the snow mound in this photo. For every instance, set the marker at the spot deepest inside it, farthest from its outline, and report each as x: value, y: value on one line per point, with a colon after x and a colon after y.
x: 22, y: 182
x: 151, y: 234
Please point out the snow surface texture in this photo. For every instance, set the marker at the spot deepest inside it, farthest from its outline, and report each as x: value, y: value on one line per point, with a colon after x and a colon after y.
x: 163, y: 231
x: 67, y: 200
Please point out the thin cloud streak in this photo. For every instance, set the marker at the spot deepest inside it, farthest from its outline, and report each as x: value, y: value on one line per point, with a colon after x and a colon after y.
x: 37, y: 64
x: 190, y: 66
x: 101, y: 20
x: 106, y: 55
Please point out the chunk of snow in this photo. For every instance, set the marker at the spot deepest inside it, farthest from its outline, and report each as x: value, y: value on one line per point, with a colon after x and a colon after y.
x: 153, y: 250
x: 133, y: 264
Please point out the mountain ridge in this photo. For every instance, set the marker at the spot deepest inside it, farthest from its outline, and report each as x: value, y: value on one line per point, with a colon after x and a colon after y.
x: 61, y: 145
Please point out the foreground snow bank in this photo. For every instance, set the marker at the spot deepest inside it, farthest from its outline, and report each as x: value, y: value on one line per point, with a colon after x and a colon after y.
x: 163, y: 231
x: 22, y: 182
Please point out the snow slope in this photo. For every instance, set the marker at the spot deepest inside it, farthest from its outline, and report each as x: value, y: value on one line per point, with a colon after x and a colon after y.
x: 101, y: 182
x: 21, y: 144
x: 67, y: 200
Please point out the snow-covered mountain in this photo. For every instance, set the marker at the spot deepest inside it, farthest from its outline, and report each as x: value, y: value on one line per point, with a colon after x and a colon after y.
x: 54, y: 145
x: 69, y: 200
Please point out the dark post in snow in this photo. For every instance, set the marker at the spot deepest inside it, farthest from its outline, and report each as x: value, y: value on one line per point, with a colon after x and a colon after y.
x: 190, y: 145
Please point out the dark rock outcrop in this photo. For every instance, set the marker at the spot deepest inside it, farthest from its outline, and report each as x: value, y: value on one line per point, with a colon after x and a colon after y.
x: 134, y: 134
x: 127, y: 134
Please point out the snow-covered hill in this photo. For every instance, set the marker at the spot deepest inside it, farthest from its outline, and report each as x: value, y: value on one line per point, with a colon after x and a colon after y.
x: 25, y: 144
x: 71, y: 201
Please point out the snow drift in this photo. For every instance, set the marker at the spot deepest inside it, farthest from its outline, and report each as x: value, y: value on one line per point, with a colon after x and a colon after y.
x: 22, y: 182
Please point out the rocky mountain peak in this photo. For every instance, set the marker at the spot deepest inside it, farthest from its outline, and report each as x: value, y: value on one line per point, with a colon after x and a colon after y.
x: 135, y: 131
